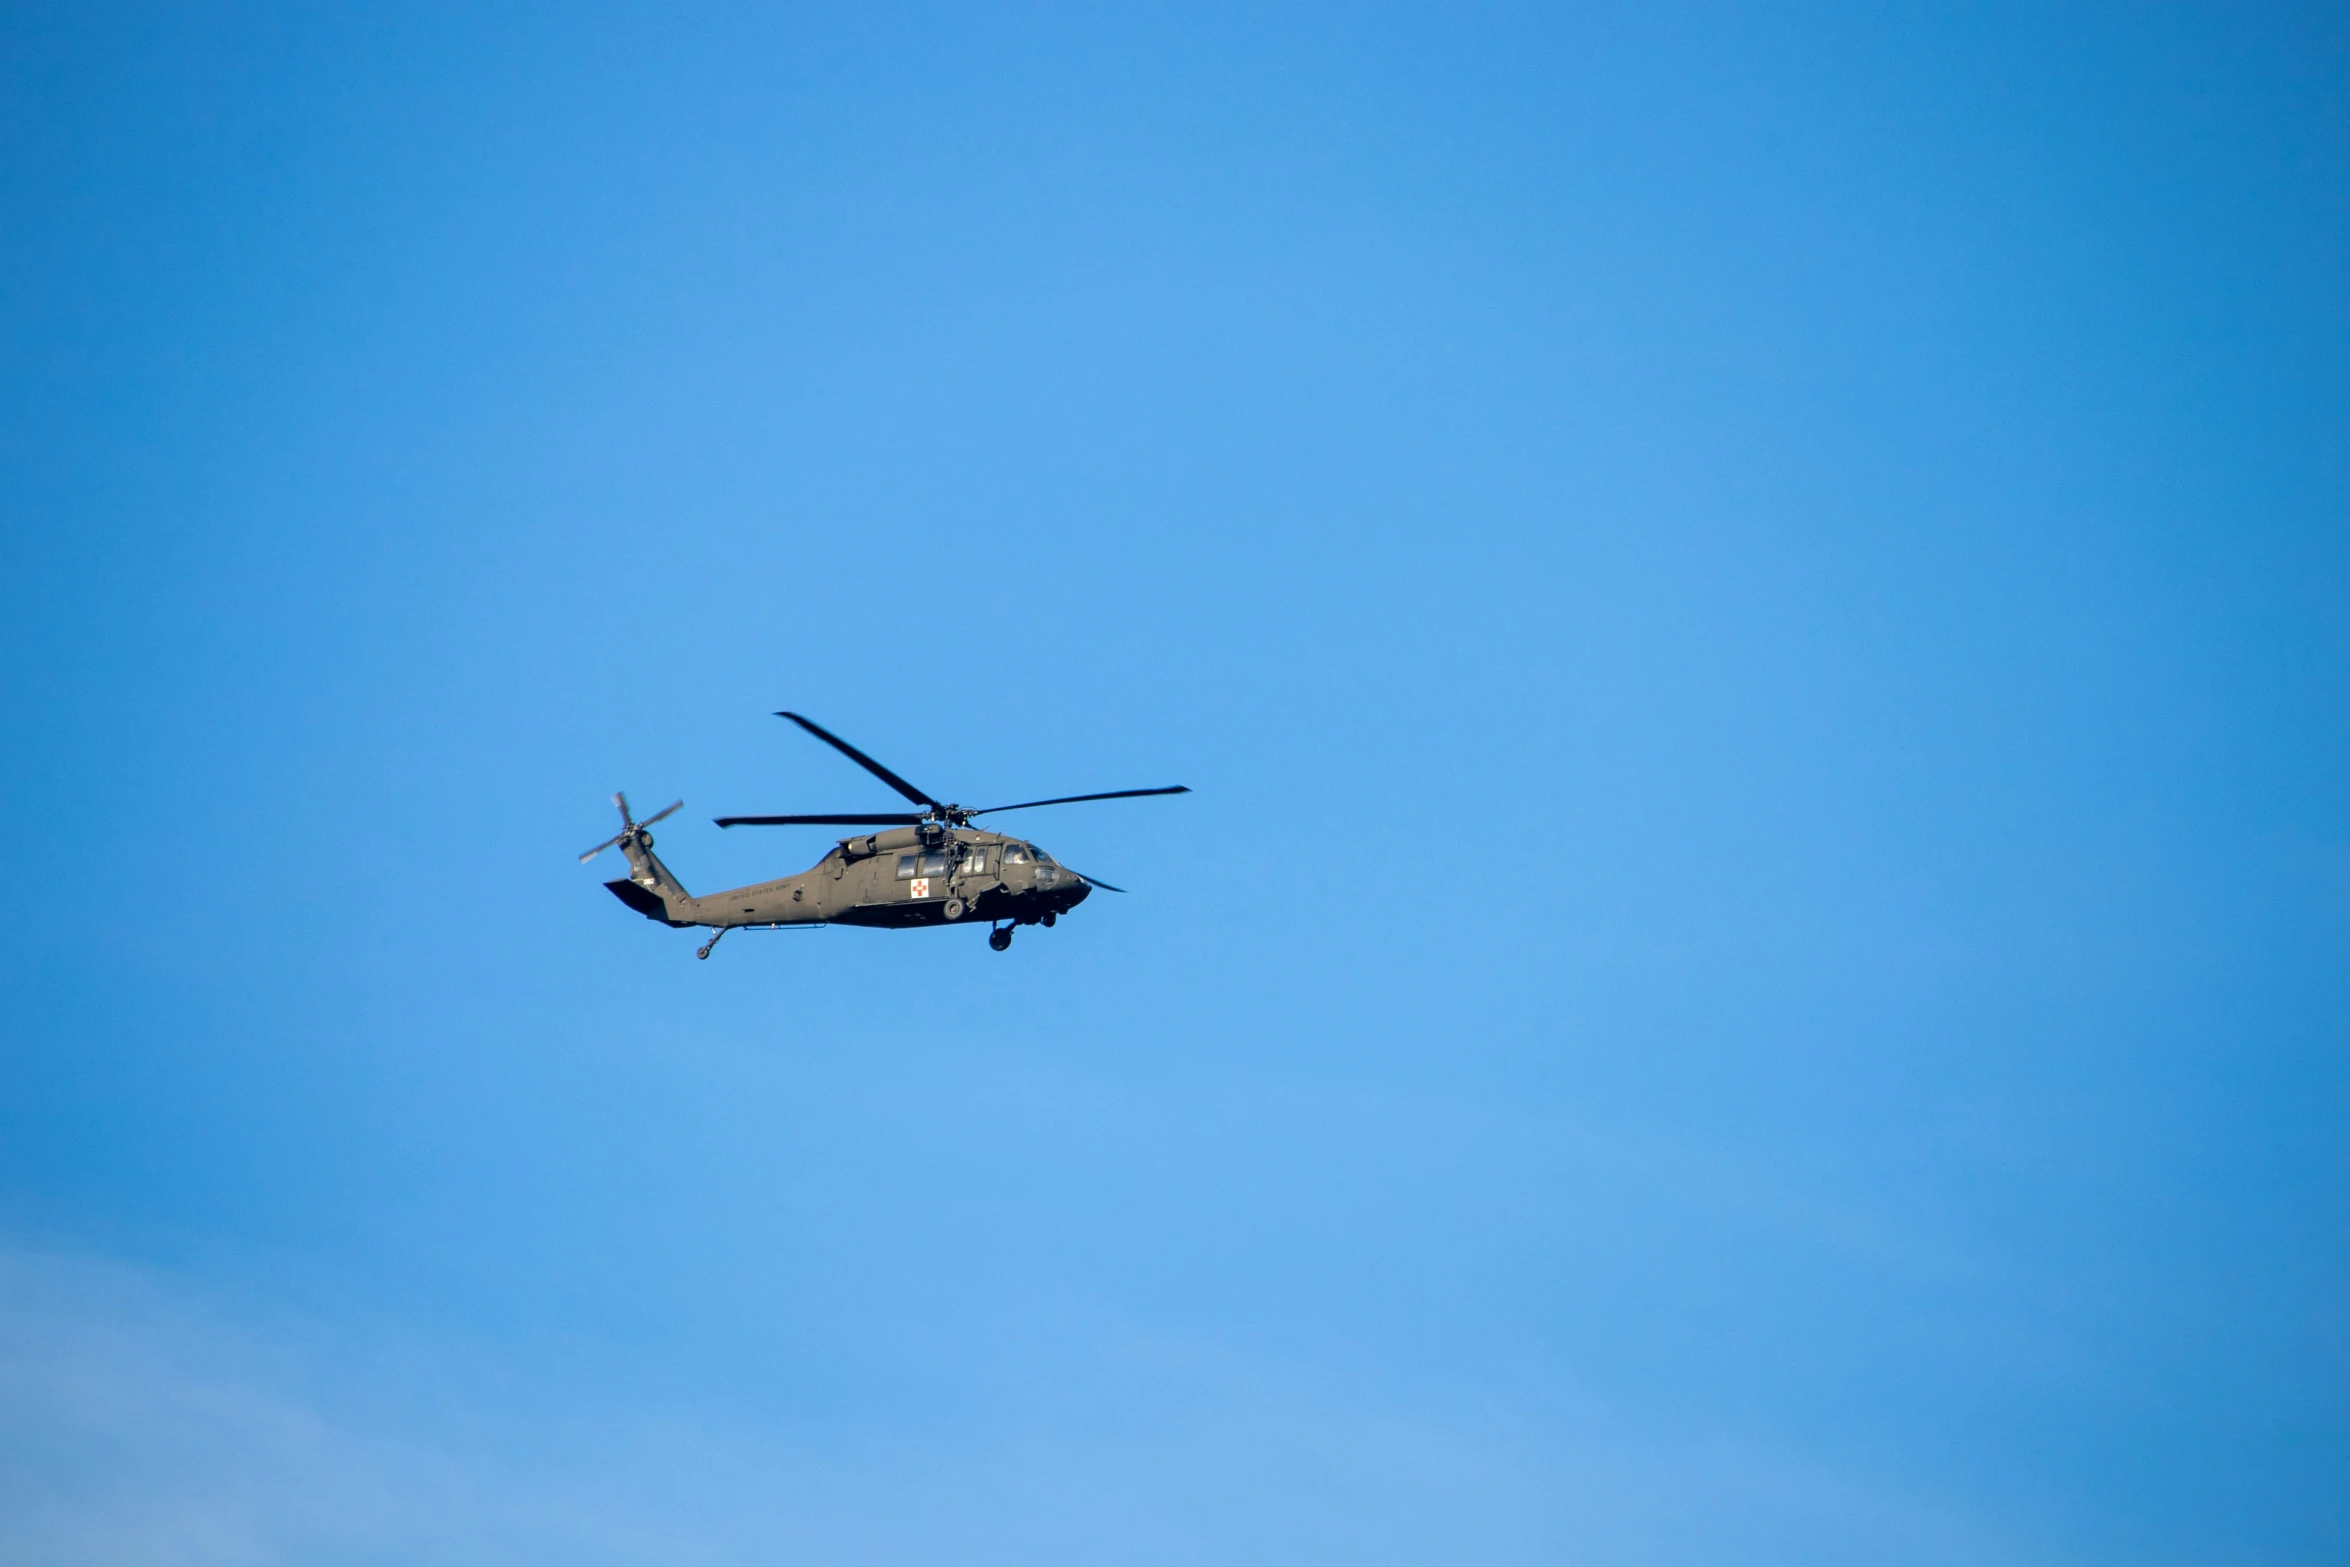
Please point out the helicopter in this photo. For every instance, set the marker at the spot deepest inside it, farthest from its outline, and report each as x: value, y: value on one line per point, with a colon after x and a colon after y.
x: 930, y: 868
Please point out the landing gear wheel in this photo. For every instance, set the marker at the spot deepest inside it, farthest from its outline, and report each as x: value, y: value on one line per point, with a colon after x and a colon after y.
x: 1049, y: 918
x: 1000, y: 938
x: 954, y: 909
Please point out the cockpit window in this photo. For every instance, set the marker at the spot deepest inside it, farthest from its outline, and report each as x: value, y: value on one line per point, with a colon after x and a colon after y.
x: 1042, y: 858
x: 1015, y: 854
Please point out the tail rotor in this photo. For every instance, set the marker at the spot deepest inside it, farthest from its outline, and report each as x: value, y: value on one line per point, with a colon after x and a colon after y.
x: 629, y: 826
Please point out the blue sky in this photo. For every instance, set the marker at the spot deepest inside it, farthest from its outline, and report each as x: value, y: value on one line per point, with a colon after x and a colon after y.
x: 1757, y: 603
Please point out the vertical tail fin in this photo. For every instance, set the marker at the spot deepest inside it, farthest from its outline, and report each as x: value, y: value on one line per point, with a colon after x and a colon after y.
x: 650, y: 878
x: 649, y: 889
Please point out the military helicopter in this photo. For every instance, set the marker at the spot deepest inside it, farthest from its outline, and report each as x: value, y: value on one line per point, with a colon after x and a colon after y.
x: 931, y: 868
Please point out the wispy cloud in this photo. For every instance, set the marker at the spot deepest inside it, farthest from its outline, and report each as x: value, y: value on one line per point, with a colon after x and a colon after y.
x: 145, y: 1420
x: 139, y: 1423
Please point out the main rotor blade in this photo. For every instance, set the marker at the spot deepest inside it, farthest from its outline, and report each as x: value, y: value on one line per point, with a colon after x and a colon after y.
x: 1072, y: 799
x: 664, y: 811
x: 1091, y: 881
x: 816, y: 821
x: 862, y: 760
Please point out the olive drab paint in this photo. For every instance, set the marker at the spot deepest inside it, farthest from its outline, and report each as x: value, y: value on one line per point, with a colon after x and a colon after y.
x: 928, y: 869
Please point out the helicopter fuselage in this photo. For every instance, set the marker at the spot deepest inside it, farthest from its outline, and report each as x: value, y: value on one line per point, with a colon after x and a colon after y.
x: 931, y: 868
x: 894, y: 880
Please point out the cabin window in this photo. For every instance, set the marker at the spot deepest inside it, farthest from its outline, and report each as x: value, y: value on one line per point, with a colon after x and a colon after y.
x: 975, y: 860
x: 906, y: 863
x: 934, y: 865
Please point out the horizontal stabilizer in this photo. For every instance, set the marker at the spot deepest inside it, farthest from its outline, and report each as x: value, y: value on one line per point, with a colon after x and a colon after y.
x: 643, y: 902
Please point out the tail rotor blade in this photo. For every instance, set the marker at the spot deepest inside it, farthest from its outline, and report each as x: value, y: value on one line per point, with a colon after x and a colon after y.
x: 630, y: 826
